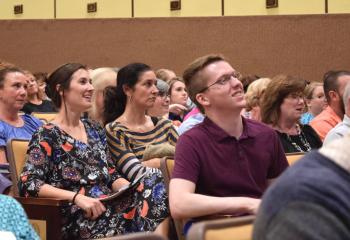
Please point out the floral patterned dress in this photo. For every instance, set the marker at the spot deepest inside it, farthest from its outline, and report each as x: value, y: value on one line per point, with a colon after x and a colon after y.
x: 56, y: 158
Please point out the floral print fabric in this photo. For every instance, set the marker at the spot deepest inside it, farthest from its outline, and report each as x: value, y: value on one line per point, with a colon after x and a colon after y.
x: 56, y: 158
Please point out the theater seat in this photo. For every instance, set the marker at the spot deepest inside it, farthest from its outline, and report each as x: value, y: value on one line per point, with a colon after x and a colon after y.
x: 167, y: 166
x: 43, y: 213
x: 294, y: 157
x: 45, y: 116
x: 238, y: 228
x: 137, y: 236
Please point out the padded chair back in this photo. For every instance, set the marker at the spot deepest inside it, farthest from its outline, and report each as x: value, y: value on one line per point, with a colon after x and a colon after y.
x: 45, y: 116
x: 294, y: 157
x: 16, y: 150
x: 167, y: 166
x: 43, y: 213
x: 137, y: 236
x: 238, y: 228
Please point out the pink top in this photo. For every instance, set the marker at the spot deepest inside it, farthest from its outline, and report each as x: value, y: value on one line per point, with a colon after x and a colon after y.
x: 325, y: 121
x: 191, y: 113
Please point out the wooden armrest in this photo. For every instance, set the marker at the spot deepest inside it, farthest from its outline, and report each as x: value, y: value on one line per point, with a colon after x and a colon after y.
x: 41, y: 201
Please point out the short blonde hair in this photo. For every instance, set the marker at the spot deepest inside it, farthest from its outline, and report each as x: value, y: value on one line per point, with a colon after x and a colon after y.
x: 310, y: 88
x: 255, y: 92
x: 101, y: 78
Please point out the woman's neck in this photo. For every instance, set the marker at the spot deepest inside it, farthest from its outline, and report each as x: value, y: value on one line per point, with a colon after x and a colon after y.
x: 66, y: 117
x: 133, y: 116
x: 10, y: 115
x: 288, y: 127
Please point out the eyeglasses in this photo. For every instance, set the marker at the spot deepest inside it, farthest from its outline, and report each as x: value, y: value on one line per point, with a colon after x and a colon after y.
x: 163, y: 95
x: 222, y: 81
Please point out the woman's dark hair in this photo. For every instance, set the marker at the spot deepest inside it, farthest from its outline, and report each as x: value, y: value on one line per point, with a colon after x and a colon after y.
x: 5, y: 71
x: 61, y: 76
x: 114, y: 97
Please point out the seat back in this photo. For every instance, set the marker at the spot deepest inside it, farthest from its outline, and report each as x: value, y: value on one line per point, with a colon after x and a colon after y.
x: 294, y: 157
x: 16, y: 150
x: 137, y: 236
x: 43, y: 213
x: 45, y: 116
x: 167, y: 165
x: 238, y: 228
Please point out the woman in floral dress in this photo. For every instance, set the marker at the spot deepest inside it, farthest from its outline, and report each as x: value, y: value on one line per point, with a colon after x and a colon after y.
x: 68, y: 159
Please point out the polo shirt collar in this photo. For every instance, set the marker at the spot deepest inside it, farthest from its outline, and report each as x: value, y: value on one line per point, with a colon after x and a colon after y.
x: 219, y: 134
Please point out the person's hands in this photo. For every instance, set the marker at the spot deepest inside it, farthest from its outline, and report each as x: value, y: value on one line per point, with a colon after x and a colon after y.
x: 177, y: 108
x: 93, y: 207
x: 119, y: 183
x: 152, y: 163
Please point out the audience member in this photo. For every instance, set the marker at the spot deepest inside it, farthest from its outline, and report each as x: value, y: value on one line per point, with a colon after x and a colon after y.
x: 311, y: 199
x: 343, y: 127
x: 334, y: 84
x: 282, y: 107
x: 253, y: 96
x: 35, y: 102
x: 165, y: 74
x: 218, y: 169
x: 13, y: 94
x: 130, y: 132
x: 68, y: 159
x: 315, y: 101
x: 41, y: 79
x: 190, y: 122
x: 160, y: 107
x: 178, y: 100
x: 14, y: 223
x: 101, y: 78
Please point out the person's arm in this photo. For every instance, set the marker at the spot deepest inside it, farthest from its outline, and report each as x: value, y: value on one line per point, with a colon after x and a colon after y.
x: 152, y: 163
x: 185, y: 203
x: 177, y: 108
x: 3, y: 158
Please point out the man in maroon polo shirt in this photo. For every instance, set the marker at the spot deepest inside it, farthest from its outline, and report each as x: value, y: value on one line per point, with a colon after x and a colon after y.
x: 223, y: 165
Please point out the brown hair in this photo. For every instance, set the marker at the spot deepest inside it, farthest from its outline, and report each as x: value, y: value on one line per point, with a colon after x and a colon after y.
x: 193, y: 81
x: 310, y: 88
x: 276, y: 91
x: 5, y: 71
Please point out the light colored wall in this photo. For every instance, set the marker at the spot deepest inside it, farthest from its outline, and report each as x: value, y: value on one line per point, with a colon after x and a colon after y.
x: 38, y: 9
x: 338, y: 6
x: 189, y: 8
x: 258, y: 7
x: 105, y: 9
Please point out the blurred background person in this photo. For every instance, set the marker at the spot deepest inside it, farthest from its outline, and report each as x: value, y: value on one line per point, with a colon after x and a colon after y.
x: 101, y: 78
x: 178, y: 100
x: 253, y: 97
x: 315, y: 101
x: 281, y: 108
x: 160, y: 107
x: 41, y: 79
x: 36, y: 101
x: 165, y: 74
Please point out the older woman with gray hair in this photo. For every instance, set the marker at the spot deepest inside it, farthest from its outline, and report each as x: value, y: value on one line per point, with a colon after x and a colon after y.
x: 162, y: 102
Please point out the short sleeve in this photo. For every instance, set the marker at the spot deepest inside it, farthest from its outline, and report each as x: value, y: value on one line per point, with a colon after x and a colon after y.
x: 187, y: 160
x: 2, y: 136
x: 36, y: 167
x: 279, y: 161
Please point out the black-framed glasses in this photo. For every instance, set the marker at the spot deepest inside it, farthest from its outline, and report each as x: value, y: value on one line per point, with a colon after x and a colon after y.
x: 163, y: 95
x: 223, y: 80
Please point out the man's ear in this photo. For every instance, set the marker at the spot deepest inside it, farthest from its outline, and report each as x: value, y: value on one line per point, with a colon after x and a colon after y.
x: 202, y: 99
x: 333, y: 95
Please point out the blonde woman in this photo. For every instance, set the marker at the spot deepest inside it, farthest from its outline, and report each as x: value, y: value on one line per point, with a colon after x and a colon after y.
x: 253, y: 97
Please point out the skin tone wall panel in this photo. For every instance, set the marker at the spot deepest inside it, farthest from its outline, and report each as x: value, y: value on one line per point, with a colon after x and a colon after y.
x: 41, y: 9
x: 303, y: 45
x: 338, y: 6
x: 258, y: 7
x: 105, y: 9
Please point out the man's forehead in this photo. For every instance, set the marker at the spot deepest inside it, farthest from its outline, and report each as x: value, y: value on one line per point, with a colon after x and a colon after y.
x: 216, y: 69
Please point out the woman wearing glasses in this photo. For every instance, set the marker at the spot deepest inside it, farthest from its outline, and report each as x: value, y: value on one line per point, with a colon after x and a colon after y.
x: 281, y: 108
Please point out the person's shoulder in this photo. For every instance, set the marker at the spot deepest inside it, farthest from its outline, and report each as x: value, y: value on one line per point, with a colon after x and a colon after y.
x: 257, y: 128
x: 29, y: 119
x: 164, y: 123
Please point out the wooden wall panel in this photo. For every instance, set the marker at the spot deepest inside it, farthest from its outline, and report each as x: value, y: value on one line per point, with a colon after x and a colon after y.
x: 305, y: 45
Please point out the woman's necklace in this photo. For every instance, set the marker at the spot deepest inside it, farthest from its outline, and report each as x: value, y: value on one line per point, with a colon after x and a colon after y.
x: 302, y: 138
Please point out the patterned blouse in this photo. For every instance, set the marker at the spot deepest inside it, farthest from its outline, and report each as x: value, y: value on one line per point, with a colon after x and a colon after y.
x: 127, y: 147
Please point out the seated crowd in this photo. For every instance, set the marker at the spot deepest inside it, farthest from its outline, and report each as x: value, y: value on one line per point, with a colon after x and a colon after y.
x: 113, y: 126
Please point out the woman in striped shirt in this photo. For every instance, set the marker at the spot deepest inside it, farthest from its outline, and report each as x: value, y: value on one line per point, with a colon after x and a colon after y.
x: 130, y: 131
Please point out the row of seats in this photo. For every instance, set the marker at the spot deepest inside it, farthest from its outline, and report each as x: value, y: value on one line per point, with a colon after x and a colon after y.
x: 45, y: 213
